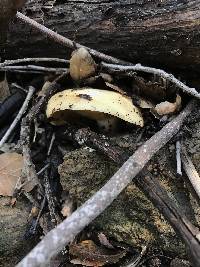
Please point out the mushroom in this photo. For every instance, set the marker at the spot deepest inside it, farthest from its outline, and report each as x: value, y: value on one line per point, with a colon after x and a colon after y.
x: 100, y: 105
x: 82, y: 65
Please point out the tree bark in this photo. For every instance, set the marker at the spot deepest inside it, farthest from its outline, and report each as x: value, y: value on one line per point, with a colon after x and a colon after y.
x: 157, y: 33
x: 8, y: 9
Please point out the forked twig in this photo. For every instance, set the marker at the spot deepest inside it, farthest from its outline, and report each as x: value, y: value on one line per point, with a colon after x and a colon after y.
x: 57, y: 238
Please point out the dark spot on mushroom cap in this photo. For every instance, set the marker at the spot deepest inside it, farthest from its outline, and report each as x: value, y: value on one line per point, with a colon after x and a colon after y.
x: 85, y: 96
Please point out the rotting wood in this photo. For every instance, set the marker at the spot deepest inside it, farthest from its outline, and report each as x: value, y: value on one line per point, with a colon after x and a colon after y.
x: 155, y: 33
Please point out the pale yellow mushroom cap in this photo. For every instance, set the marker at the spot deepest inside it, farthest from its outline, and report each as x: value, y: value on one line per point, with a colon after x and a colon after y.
x: 93, y: 102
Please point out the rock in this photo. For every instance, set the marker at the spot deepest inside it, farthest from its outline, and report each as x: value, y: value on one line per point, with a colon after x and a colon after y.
x: 13, y: 223
x: 179, y: 263
x: 131, y: 218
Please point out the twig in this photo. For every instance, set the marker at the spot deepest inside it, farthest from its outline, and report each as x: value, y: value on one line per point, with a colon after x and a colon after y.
x: 36, y: 60
x: 162, y: 73
x: 43, y: 169
x: 137, y: 260
x: 191, y: 171
x: 19, y: 115
x: 159, y: 197
x: 51, y: 144
x: 57, y: 238
x: 39, y: 214
x: 25, y: 71
x: 50, y: 200
x: 178, y: 158
x: 65, y: 41
x: 33, y: 68
x: 85, y: 136
x: 15, y: 85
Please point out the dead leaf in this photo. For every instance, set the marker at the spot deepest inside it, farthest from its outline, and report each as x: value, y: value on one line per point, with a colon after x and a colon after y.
x: 82, y: 65
x: 10, y: 169
x: 166, y: 107
x: 68, y: 206
x: 88, y: 253
x: 4, y: 89
x: 34, y: 212
x: 104, y: 240
x: 92, y: 103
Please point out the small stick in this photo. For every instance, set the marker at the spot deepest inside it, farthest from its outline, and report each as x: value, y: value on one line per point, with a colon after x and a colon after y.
x: 65, y: 41
x: 49, y: 196
x: 33, y: 68
x: 19, y: 115
x: 137, y: 260
x: 39, y: 213
x: 85, y: 136
x: 43, y: 169
x: 36, y: 60
x: 162, y: 73
x: 65, y: 232
x: 178, y: 158
x: 51, y: 144
x: 24, y: 71
x: 191, y: 171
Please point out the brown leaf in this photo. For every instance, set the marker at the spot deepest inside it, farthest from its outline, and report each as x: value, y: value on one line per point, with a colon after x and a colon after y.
x: 4, y: 89
x: 10, y: 169
x: 104, y: 240
x: 89, y: 254
x: 82, y: 65
x: 67, y: 207
x: 166, y: 107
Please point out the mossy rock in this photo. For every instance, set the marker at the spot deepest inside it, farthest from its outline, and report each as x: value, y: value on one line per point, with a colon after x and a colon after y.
x: 131, y: 218
x: 13, y: 224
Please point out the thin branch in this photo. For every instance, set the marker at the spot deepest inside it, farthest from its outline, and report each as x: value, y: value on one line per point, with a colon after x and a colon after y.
x: 33, y: 68
x: 178, y: 158
x: 49, y: 197
x: 57, y: 238
x: 43, y: 169
x: 35, y: 60
x: 162, y: 73
x: 19, y: 115
x: 51, y: 144
x: 191, y: 171
x: 65, y: 41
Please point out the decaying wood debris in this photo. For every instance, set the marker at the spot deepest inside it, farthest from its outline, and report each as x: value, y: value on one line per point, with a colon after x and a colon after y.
x: 43, y: 143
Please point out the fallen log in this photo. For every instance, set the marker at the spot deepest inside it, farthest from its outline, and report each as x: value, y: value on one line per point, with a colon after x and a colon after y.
x: 158, y: 33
